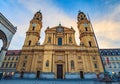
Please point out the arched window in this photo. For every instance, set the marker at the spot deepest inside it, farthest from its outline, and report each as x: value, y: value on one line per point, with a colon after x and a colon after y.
x: 37, y: 18
x: 12, y: 58
x: 10, y: 65
x: 29, y: 43
x: 33, y: 28
x: 25, y: 57
x: 72, y: 64
x: 6, y: 65
x: 14, y: 65
x: 95, y: 65
x: 94, y: 58
x: 81, y: 18
x: 16, y: 58
x: 86, y: 28
x: 90, y: 44
x: 59, y: 41
x: 9, y: 58
x: 24, y: 64
x: 49, y: 40
x: 2, y: 65
x: 47, y: 63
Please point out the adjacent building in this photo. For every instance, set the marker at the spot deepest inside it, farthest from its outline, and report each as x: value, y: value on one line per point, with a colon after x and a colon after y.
x: 10, y: 62
x: 7, y: 30
x: 111, y: 60
x: 59, y: 56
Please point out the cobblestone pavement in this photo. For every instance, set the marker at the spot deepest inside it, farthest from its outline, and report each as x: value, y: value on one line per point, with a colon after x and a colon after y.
x: 28, y: 81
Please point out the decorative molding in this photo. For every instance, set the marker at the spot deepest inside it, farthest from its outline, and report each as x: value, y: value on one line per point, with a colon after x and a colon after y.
x: 7, y: 24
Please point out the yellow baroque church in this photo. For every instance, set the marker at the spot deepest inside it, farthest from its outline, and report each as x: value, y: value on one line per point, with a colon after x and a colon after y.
x: 59, y: 56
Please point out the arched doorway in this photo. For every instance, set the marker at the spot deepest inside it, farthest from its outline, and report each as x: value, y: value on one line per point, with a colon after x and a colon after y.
x: 7, y: 30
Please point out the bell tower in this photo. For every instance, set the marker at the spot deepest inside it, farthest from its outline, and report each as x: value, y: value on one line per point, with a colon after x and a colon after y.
x: 87, y: 37
x: 33, y: 33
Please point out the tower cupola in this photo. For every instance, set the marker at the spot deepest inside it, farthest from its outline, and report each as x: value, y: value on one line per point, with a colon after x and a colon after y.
x: 81, y: 16
x: 38, y: 16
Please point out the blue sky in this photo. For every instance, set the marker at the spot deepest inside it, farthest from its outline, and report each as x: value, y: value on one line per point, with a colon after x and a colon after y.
x: 104, y: 15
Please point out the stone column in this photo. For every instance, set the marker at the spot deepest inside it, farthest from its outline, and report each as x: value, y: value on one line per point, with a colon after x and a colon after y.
x: 66, y: 66
x: 53, y: 56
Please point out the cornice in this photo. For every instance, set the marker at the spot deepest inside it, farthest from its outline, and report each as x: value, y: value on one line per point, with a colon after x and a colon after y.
x: 7, y: 24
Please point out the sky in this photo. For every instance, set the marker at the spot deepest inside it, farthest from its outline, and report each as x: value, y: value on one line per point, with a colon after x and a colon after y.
x: 104, y: 16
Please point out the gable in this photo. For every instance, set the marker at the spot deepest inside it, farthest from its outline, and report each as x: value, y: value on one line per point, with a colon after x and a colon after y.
x: 59, y: 29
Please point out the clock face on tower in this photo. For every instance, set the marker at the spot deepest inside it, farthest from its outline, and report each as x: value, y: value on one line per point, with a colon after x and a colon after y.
x: 85, y: 24
x: 34, y: 24
x: 59, y: 29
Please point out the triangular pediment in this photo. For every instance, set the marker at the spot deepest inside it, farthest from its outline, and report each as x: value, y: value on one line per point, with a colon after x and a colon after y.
x: 65, y: 35
x: 56, y: 29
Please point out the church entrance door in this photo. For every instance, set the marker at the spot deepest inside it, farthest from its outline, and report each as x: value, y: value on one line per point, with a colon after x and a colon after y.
x: 38, y: 74
x: 59, y: 71
x: 81, y: 74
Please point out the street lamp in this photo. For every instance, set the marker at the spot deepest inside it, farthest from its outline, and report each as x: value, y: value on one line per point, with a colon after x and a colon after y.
x: 113, y: 72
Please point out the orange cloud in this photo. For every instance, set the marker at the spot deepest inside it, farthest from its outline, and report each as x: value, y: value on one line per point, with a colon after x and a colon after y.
x: 107, y: 29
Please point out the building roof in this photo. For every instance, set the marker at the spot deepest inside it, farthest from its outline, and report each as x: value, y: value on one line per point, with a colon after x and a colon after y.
x: 110, y: 52
x: 13, y: 52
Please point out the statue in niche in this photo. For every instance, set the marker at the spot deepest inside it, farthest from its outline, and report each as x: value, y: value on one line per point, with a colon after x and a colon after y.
x: 70, y: 39
x: 49, y: 40
x: 47, y: 63
x: 72, y: 64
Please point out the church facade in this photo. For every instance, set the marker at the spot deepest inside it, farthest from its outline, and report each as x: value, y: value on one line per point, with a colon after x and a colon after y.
x: 59, y: 56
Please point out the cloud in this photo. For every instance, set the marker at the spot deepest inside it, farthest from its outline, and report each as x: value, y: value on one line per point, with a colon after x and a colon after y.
x: 19, y: 37
x: 52, y: 15
x: 107, y: 29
